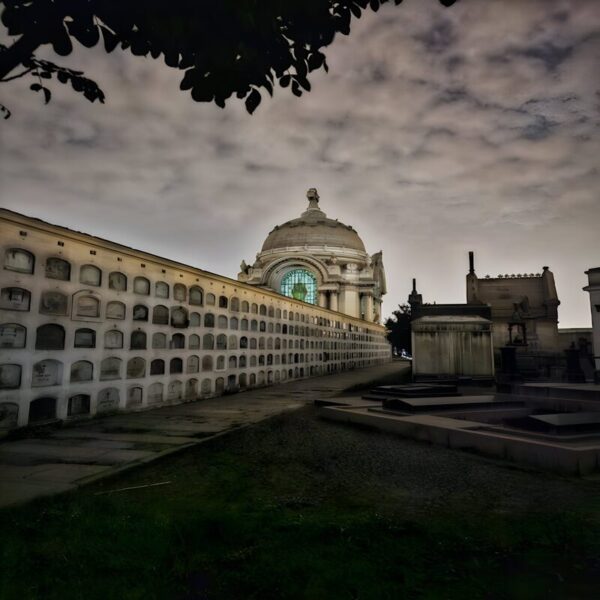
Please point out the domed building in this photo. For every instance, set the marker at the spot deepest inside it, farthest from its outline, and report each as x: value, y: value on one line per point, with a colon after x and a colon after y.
x: 320, y: 261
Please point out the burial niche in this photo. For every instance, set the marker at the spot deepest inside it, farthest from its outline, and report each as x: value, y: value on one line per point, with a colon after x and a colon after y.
x: 14, y: 298
x: 47, y: 372
x: 42, y: 409
x: 90, y: 275
x: 108, y: 400
x: 19, y: 260
x: 82, y: 370
x: 136, y: 367
x: 53, y: 303
x: 57, y: 268
x: 78, y: 405
x: 10, y: 376
x: 12, y: 335
x: 115, y: 310
x: 50, y: 337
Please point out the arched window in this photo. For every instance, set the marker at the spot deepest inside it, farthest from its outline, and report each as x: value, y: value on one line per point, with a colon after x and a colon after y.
x: 277, y: 344
x: 195, y: 320
x: 178, y: 341
x: 270, y: 327
x: 14, y: 298
x: 254, y: 308
x: 223, y: 302
x: 252, y: 343
x: 243, y: 380
x: 42, y: 409
x: 269, y: 343
x: 261, y: 360
x: 115, y: 310
x: 244, y: 325
x: 134, y: 396
x: 155, y: 393
x: 157, y: 367
x: 192, y: 364
x: 176, y: 366
x: 47, y: 372
x: 21, y: 261
x: 208, y: 341
x: 179, y: 316
x: 53, y: 303
x: 271, y: 311
x: 57, y: 268
x: 113, y: 338
x: 232, y: 363
x: 210, y: 299
x: 159, y: 341
x: 262, y: 326
x: 50, y: 337
x: 161, y: 289
x: 12, y: 335
x: 179, y: 292
x: 90, y: 275
x: 235, y: 304
x: 261, y: 343
x: 209, y: 320
x: 160, y: 315
x: 141, y: 286
x: 82, y: 370
x: 10, y: 378
x: 220, y: 363
x: 78, y: 405
x: 254, y: 325
x: 222, y: 342
x: 196, y: 295
x: 233, y: 323
x: 136, y: 367
x: 233, y: 344
x: 86, y: 305
x: 253, y: 361
x: 245, y: 306
x: 243, y: 361
x: 206, y: 388
x: 175, y: 390
x: 117, y: 281
x: 252, y: 379
x: 269, y: 359
x: 194, y: 342
x: 278, y: 313
x: 262, y: 310
x: 222, y: 322
x: 137, y: 340
x: 110, y: 368
x: 243, y: 342
x: 207, y: 363
x: 85, y: 338
x: 140, y: 312
x: 191, y: 389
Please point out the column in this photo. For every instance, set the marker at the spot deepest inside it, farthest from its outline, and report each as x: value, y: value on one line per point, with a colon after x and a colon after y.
x: 323, y: 299
x: 333, y: 301
x: 368, y: 307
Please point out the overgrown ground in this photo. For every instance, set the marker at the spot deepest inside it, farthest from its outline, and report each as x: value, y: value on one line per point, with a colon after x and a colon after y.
x: 297, y: 507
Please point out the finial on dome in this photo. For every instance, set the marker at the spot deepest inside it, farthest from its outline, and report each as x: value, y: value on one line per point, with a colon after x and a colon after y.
x: 313, y: 198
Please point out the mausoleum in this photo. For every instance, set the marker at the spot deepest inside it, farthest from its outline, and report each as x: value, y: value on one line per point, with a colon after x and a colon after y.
x: 320, y: 261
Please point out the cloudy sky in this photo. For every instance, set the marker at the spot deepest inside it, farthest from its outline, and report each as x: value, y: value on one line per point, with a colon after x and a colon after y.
x: 437, y: 131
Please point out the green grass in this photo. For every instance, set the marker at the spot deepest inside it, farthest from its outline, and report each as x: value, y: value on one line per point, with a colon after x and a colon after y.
x: 241, y: 519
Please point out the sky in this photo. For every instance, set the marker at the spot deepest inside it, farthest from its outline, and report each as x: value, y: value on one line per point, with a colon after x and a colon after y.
x: 436, y: 131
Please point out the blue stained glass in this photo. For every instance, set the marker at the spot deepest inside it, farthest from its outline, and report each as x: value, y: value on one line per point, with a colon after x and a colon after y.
x: 300, y: 284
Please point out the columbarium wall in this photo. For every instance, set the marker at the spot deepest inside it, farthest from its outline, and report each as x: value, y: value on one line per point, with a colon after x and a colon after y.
x: 88, y: 326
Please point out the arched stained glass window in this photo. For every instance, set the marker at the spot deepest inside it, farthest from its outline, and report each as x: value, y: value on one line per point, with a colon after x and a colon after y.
x: 300, y: 284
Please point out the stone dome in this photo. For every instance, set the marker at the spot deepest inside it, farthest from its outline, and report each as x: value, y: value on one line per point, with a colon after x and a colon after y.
x: 313, y: 228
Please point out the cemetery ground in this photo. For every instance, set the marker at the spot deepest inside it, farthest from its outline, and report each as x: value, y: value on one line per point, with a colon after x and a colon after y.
x: 299, y: 507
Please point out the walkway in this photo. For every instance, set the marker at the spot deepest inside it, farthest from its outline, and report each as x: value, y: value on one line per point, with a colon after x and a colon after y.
x: 80, y: 453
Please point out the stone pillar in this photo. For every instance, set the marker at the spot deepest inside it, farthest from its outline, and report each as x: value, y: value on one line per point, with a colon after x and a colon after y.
x: 323, y: 299
x: 368, y: 307
x: 333, y: 301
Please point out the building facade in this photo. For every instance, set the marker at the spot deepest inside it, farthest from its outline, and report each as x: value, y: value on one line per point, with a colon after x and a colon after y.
x: 88, y: 326
x: 320, y: 261
x: 524, y: 307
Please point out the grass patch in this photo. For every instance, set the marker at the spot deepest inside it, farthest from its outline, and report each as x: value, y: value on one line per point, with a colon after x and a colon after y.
x: 294, y: 508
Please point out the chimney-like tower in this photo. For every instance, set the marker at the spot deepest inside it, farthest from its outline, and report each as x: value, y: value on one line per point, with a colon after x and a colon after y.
x: 472, y: 283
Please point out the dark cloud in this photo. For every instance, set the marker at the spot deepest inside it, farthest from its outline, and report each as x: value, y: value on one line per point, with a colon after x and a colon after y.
x: 436, y: 132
